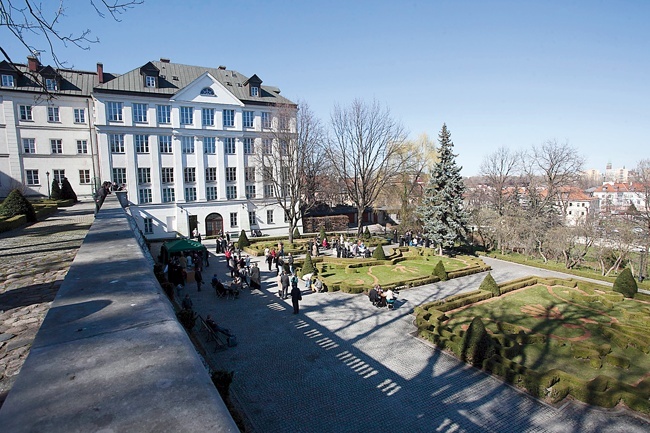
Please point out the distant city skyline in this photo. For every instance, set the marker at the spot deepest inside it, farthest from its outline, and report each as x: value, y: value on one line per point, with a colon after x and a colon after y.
x: 499, y: 73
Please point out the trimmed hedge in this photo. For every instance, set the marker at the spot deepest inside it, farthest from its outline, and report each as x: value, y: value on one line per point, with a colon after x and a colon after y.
x: 12, y: 223
x: 489, y: 285
x: 626, y: 284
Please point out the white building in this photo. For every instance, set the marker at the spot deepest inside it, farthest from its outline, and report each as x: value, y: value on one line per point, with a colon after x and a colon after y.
x: 182, y: 139
x: 46, y: 137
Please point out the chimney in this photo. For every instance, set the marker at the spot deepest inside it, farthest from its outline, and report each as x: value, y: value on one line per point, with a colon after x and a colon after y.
x: 222, y: 67
x: 100, y: 72
x: 164, y: 60
x: 33, y: 63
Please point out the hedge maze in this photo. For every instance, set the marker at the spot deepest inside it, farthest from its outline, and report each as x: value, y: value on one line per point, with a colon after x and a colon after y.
x: 552, y: 337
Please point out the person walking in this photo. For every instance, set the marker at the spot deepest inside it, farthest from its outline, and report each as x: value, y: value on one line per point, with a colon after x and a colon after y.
x: 255, y: 276
x: 284, y: 279
x: 295, y: 297
x: 198, y: 277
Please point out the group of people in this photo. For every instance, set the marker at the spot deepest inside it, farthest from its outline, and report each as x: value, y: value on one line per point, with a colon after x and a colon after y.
x: 180, y: 263
x: 381, y: 298
x: 409, y: 239
x: 285, y: 279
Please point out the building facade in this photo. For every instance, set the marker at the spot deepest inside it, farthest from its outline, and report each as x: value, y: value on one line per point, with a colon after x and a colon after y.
x: 182, y: 140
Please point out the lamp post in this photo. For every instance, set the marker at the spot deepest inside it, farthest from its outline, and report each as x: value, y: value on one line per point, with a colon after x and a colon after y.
x: 49, y: 195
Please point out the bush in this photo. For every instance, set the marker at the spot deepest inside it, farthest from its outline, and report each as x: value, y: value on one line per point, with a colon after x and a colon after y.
x: 56, y: 190
x: 296, y: 233
x: 243, y: 241
x: 489, y: 285
x: 67, y: 193
x: 626, y: 284
x: 222, y: 380
x: 477, y: 343
x: 308, y: 266
x: 17, y: 204
x: 366, y: 233
x: 378, y: 253
x: 439, y: 271
x: 187, y: 319
x: 322, y: 232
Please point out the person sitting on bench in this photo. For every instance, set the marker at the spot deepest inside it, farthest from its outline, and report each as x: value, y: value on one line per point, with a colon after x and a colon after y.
x: 216, y: 328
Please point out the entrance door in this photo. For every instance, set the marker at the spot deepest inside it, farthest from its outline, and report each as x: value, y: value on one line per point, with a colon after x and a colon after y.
x: 213, y: 225
x: 193, y: 224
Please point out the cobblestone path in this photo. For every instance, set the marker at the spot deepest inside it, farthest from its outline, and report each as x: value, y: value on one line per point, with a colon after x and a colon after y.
x: 33, y: 263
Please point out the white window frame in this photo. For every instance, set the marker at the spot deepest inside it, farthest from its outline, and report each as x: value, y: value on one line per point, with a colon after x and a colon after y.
x: 266, y: 120
x: 252, y: 218
x: 231, y: 174
x: 233, y: 219
x: 255, y: 91
x: 211, y: 192
x: 8, y: 80
x: 168, y: 195
x: 79, y: 115
x: 187, y: 115
x: 190, y: 193
x: 144, y: 195
x: 114, y: 111
x: 141, y: 143
x: 189, y: 174
x: 116, y: 143
x: 50, y: 84
x: 31, y: 177
x: 187, y: 144
x: 29, y: 145
x: 249, y: 146
x: 84, y: 177
x: 211, y: 174
x: 231, y: 192
x: 25, y: 112
x: 144, y: 175
x: 53, y: 114
x: 251, y: 192
x: 149, y: 81
x: 209, y: 145
x: 249, y: 119
x: 228, y: 117
x: 164, y: 114
x: 269, y: 216
x: 229, y: 146
x: 140, y: 112
x: 82, y: 146
x: 167, y: 174
x: 56, y: 146
x: 119, y: 175
x: 148, y: 225
x: 207, y: 116
x: 165, y: 144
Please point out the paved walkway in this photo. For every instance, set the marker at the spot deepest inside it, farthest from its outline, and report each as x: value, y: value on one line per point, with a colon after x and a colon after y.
x: 33, y: 262
x: 342, y: 365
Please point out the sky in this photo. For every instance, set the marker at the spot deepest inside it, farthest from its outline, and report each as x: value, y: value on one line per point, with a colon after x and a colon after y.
x: 499, y: 73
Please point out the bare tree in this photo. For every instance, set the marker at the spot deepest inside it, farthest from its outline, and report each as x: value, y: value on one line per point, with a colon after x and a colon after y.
x: 366, y: 140
x: 288, y: 159
x: 498, y: 170
x: 37, y: 26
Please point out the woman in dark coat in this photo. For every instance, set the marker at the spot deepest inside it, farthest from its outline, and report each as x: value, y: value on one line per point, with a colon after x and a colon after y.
x: 295, y: 297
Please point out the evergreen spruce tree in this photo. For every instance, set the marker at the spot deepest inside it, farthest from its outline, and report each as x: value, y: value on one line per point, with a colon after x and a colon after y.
x: 67, y: 193
x: 379, y: 253
x: 296, y: 233
x: 443, y: 216
x: 243, y: 240
x: 322, y: 232
x: 308, y: 267
x: 56, y: 190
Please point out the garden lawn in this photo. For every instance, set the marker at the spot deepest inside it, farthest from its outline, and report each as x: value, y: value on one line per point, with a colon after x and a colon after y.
x: 568, y: 317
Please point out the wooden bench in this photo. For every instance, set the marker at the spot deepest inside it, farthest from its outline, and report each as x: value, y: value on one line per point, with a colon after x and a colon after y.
x: 217, y: 337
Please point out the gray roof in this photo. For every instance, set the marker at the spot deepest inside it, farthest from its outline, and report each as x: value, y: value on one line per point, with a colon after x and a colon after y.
x: 174, y: 77
x: 72, y: 82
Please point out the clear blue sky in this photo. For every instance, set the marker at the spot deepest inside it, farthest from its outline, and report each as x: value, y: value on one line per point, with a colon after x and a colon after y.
x: 499, y: 73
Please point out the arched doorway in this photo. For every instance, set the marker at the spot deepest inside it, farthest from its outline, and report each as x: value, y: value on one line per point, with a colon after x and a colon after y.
x: 213, y: 224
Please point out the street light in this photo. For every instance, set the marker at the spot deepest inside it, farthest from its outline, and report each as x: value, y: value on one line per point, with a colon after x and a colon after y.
x: 49, y: 196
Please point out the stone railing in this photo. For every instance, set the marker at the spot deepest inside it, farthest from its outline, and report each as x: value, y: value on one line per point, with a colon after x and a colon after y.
x: 110, y: 355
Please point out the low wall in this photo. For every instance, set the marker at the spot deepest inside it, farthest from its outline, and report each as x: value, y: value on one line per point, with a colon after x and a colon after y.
x: 110, y: 355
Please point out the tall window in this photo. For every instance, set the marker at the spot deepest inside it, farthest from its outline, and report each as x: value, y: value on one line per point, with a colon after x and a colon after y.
x: 187, y: 144
x: 58, y: 175
x: 189, y: 174
x: 211, y: 174
x: 79, y: 115
x: 144, y: 175
x: 168, y: 195
x: 229, y: 145
x: 187, y: 115
x: 231, y: 192
x: 249, y: 147
x: 207, y: 116
x: 116, y: 142
x: 269, y: 217
x: 190, y: 193
x: 144, y: 194
x: 249, y: 117
x: 267, y: 146
x: 119, y: 175
x: 268, y: 191
x: 167, y: 174
x: 31, y: 177
x: 209, y: 145
x: 228, y: 118
x: 82, y: 146
x: 266, y: 119
x: 233, y: 219
x: 148, y: 222
x: 249, y: 174
x: 29, y: 145
x: 250, y: 191
x: 114, y: 111
x: 231, y: 174
x: 165, y: 144
x: 141, y: 143
x: 7, y: 81
x: 53, y: 114
x: 252, y: 218
x: 26, y: 112
x: 56, y: 145
x: 140, y: 112
x: 211, y: 193
x: 84, y: 177
x: 164, y: 113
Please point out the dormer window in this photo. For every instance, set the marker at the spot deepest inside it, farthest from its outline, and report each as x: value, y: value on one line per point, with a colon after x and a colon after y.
x: 207, y: 91
x: 255, y: 91
x: 8, y: 81
x: 50, y: 84
x: 150, y: 81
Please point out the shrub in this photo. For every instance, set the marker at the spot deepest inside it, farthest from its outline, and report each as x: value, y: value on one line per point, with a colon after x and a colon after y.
x: 308, y: 266
x: 17, y: 204
x: 489, y: 285
x: 55, y: 194
x: 322, y: 232
x: 477, y: 343
x: 243, y: 241
x: 222, y: 380
x: 296, y: 233
x: 366, y: 233
x: 187, y: 319
x: 626, y: 284
x: 67, y: 193
x: 378, y: 253
x: 439, y: 271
